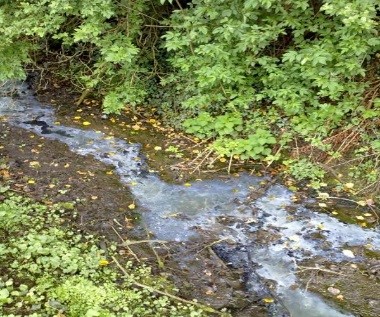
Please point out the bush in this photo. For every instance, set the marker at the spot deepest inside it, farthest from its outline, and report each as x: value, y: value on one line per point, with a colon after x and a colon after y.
x: 262, y: 70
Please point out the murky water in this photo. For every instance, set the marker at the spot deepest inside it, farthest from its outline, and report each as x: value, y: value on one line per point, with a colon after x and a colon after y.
x: 178, y: 212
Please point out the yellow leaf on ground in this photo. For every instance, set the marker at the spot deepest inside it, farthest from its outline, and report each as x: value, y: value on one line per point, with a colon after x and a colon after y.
x: 132, y: 206
x: 103, y: 262
x: 34, y: 164
x: 323, y: 196
x: 349, y: 185
x: 86, y: 123
x: 157, y: 148
x: 187, y: 184
x: 268, y: 300
x: 31, y: 181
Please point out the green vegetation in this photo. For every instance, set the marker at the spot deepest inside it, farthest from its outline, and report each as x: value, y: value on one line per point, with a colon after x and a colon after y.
x: 267, y: 80
x: 48, y: 270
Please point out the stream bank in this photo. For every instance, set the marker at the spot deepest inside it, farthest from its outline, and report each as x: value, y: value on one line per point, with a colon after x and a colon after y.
x: 218, y: 237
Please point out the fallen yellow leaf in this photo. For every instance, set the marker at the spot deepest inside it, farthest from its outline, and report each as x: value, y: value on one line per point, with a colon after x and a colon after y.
x: 86, y: 123
x: 34, y: 164
x: 103, y: 262
x: 323, y: 196
x: 132, y: 206
x: 349, y: 185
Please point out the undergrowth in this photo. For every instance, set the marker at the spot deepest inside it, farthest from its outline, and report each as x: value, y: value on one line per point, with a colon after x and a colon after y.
x: 49, y: 270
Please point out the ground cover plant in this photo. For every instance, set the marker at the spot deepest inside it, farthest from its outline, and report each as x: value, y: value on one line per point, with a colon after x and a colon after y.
x: 50, y: 270
x: 293, y: 81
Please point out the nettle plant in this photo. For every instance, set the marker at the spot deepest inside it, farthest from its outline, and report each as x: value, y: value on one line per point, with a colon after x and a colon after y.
x: 269, y: 69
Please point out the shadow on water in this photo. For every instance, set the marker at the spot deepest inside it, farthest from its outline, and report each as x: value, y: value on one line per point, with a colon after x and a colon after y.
x: 258, y: 237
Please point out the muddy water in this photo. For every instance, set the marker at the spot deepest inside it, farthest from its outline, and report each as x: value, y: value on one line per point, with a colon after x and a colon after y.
x: 263, y: 237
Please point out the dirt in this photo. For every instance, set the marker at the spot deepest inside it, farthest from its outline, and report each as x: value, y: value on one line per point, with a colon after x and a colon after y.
x: 354, y: 287
x: 48, y: 171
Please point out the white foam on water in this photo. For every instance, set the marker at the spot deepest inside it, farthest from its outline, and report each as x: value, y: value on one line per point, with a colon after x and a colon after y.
x: 175, y: 212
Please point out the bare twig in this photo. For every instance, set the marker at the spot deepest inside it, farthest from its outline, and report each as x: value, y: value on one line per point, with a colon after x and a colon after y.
x: 201, y: 162
x: 211, y: 244
x: 171, y: 296
x: 124, y: 242
x: 128, y: 242
x: 229, y: 165
x: 313, y: 268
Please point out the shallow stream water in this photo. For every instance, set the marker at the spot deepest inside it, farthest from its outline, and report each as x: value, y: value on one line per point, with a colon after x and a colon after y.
x: 221, y: 207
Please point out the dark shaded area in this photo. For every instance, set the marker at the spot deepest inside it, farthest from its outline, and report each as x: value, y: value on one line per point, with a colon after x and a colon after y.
x: 239, y: 257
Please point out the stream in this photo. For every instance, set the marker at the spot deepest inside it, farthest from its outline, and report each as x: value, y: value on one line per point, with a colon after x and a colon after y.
x: 221, y: 207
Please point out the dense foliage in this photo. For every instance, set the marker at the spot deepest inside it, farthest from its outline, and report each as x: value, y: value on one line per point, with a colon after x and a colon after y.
x: 253, y: 76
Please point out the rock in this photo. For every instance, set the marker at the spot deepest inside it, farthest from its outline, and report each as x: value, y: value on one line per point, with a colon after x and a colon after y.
x: 334, y: 291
